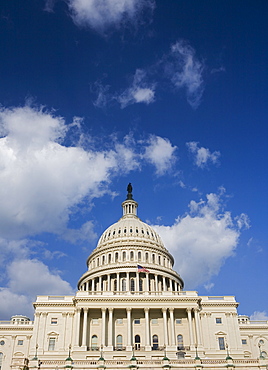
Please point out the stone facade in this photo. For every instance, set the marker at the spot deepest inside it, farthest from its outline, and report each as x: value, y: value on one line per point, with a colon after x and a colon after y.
x: 130, y: 311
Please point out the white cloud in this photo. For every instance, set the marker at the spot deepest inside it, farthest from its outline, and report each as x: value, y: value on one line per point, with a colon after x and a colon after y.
x: 42, y: 181
x: 259, y: 316
x: 26, y: 279
x: 202, y: 156
x: 103, y: 97
x: 139, y: 92
x: 102, y: 14
x: 161, y: 153
x: 201, y: 240
x: 186, y: 71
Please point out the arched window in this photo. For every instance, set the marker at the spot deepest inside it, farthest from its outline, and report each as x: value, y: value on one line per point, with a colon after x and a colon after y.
x: 103, y: 260
x: 115, y: 285
x: 98, y: 261
x: 109, y: 258
x: 155, y: 342
x: 139, y: 256
x: 132, y: 285
x: 124, y: 256
x: 94, y: 342
x: 116, y: 257
x: 119, y: 342
x: 159, y: 260
x: 140, y: 285
x: 137, y: 342
x: 146, y: 257
x: 124, y: 285
x: 153, y: 258
x: 180, y: 342
x: 131, y: 256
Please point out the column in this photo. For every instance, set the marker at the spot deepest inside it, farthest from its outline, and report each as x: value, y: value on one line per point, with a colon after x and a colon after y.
x: 156, y: 282
x: 77, y: 323
x: 147, y: 329
x: 109, y: 282
x: 197, y: 326
x: 164, y: 310
x: 117, y: 282
x: 103, y: 324
x: 170, y: 285
x: 110, y: 331
x: 129, y: 331
x: 87, y: 287
x: 164, y: 283
x: 43, y: 324
x: 137, y: 281
x: 189, y: 313
x: 84, y: 339
x: 128, y: 288
x: 172, y: 326
x: 93, y: 285
x: 147, y: 282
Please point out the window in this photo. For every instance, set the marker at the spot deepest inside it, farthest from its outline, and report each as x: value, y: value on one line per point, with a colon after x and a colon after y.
x: 119, y: 321
x: 94, y: 321
x: 159, y: 260
x: 153, y: 258
x: 218, y: 320
x: 180, y: 342
x: 244, y: 341
x: 137, y: 342
x: 2, y: 342
x: 131, y: 256
x: 103, y: 260
x: 124, y: 256
x: 137, y: 321
x: 154, y: 321
x: 54, y: 321
x: 221, y: 343
x: 51, y: 344
x: 146, y: 257
x: 264, y: 354
x: 116, y: 257
x: 261, y: 342
x: 139, y: 256
x: 94, y: 342
x: 140, y: 285
x: 132, y: 285
x: 155, y: 342
x: 1, y: 360
x: 109, y: 258
x: 20, y: 342
x: 124, y: 285
x: 98, y: 261
x: 178, y: 321
x: 115, y: 285
x: 119, y: 341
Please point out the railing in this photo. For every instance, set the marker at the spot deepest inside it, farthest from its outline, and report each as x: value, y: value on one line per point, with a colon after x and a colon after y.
x: 158, y: 348
x: 120, y: 348
x: 16, y: 323
x: 93, y: 348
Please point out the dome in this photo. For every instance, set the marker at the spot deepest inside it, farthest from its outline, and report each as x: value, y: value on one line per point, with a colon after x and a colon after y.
x: 128, y: 228
x: 128, y: 245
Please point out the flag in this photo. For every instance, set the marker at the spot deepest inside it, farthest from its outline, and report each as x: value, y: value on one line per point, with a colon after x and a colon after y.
x: 142, y: 269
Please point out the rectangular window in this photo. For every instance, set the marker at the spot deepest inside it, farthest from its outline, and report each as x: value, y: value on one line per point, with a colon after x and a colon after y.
x: 51, y: 344
x: 20, y: 342
x: 178, y: 321
x: 54, y: 321
x: 137, y: 321
x: 119, y: 321
x: 218, y: 320
x: 154, y: 321
x: 94, y: 321
x: 244, y: 341
x: 221, y: 343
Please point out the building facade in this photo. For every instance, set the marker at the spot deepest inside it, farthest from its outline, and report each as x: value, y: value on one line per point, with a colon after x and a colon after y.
x: 130, y: 311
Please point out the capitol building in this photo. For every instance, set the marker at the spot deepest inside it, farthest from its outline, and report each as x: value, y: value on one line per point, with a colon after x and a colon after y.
x: 131, y: 312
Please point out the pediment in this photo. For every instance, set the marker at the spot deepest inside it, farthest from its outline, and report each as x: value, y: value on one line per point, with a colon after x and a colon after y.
x: 220, y: 333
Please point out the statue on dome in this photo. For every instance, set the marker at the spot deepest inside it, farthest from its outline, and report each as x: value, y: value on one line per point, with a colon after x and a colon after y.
x: 129, y: 191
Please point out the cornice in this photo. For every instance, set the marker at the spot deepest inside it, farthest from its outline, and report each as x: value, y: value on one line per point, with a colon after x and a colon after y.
x: 137, y: 299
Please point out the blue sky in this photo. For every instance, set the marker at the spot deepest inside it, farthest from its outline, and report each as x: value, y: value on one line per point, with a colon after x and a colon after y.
x: 168, y: 95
